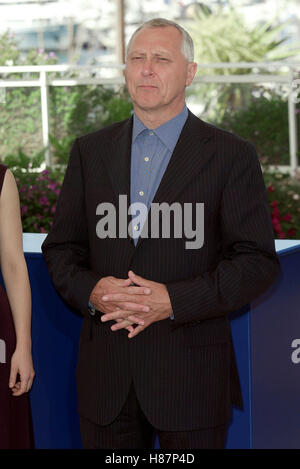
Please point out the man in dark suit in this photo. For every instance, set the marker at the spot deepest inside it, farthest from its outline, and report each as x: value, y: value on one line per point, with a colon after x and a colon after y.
x: 155, y: 352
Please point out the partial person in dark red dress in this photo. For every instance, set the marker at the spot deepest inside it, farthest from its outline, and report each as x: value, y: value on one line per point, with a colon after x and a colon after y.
x: 16, y: 367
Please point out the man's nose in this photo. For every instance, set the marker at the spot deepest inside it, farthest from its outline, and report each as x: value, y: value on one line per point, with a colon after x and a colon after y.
x: 147, y: 67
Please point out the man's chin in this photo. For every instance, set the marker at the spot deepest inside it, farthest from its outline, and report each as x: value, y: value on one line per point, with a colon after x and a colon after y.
x: 148, y: 105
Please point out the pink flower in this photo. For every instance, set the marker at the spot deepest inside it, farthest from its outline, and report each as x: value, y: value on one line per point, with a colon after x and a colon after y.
x: 24, y: 210
x: 281, y: 235
x: 271, y: 188
x: 274, y: 203
x: 275, y: 212
x: 52, y: 186
x: 287, y: 217
x: 44, y: 201
x: 277, y: 228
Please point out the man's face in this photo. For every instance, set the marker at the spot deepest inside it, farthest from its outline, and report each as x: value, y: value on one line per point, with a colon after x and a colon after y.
x: 157, y: 72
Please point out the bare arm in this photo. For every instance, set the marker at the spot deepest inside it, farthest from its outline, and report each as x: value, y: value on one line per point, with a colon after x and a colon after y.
x: 15, y: 276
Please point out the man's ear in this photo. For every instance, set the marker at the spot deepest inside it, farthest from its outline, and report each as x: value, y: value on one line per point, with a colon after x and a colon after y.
x: 191, y: 72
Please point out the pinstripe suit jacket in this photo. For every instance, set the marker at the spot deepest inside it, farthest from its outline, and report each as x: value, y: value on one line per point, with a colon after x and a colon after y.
x: 184, y: 370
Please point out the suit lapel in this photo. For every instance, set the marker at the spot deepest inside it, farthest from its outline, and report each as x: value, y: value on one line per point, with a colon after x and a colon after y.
x: 194, y: 148
x: 116, y: 153
x: 117, y: 156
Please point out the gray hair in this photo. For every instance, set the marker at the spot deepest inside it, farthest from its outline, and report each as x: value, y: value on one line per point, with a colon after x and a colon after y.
x: 187, y: 46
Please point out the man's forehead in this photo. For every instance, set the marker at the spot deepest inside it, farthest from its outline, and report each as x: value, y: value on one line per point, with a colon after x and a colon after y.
x: 157, y: 40
x: 153, y: 50
x: 152, y: 34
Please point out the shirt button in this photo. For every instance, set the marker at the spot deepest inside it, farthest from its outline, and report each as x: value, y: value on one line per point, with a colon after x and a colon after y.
x: 150, y: 133
x: 146, y: 158
x: 141, y: 192
x: 136, y: 228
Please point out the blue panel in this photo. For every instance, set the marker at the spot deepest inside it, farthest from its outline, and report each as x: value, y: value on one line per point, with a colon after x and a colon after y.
x: 55, y: 334
x: 271, y: 397
x: 240, y: 432
x: 275, y: 324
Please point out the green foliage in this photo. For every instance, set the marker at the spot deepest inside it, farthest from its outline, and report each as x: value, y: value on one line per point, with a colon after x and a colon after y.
x: 21, y: 160
x: 265, y: 123
x: 82, y: 109
x: 20, y: 121
x: 40, y: 57
x: 20, y: 115
x: 38, y: 197
x: 224, y: 36
x: 61, y: 148
x: 117, y: 108
x: 9, y: 53
x: 74, y: 111
x: 85, y: 108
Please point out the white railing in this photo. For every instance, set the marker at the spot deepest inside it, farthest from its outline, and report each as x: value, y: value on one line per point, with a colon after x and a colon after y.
x: 280, y: 72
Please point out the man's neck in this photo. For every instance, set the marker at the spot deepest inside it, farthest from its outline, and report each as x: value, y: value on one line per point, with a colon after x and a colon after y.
x: 155, y: 118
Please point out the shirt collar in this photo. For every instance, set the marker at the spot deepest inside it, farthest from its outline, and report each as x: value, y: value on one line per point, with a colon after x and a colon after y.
x: 168, y: 132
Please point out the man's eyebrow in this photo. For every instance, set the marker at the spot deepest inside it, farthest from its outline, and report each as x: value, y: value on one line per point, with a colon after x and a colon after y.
x: 137, y: 52
x: 161, y: 53
x: 158, y: 53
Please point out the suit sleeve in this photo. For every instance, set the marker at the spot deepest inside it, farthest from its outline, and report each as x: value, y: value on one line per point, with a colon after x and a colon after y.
x: 249, y: 264
x: 66, y: 248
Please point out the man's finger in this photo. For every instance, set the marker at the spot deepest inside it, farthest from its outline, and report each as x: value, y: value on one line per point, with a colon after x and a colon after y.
x: 123, y: 325
x: 122, y: 296
x: 125, y: 282
x: 138, y: 280
x: 128, y: 324
x: 124, y: 315
x: 136, y: 331
x: 137, y: 291
x: 125, y: 306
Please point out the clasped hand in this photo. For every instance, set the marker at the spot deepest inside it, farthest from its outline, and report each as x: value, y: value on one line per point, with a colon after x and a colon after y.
x: 141, y: 305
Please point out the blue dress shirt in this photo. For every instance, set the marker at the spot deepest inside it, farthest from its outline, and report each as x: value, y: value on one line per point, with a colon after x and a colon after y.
x: 151, y: 150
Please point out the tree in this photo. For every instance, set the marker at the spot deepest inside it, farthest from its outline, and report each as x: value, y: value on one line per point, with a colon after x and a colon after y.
x: 224, y: 36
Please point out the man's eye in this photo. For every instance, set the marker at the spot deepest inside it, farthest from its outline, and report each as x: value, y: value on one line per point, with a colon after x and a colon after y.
x: 136, y: 58
x: 162, y: 59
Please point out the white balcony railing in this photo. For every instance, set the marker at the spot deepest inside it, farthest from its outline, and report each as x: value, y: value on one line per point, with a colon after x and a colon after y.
x: 278, y: 72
